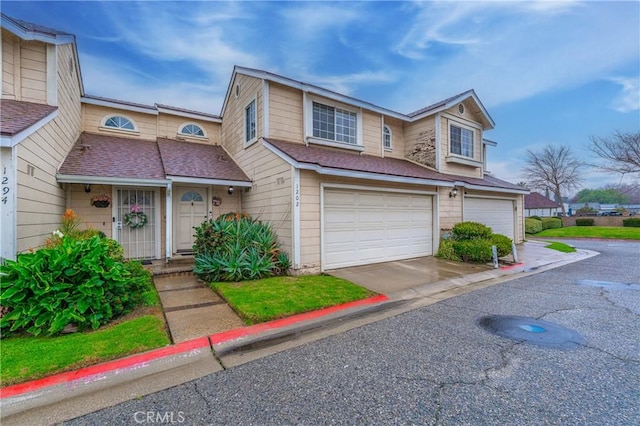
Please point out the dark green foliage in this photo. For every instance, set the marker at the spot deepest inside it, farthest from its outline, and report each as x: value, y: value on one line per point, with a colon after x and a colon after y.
x: 586, y: 211
x: 502, y: 243
x: 79, y: 281
x: 236, y: 247
x: 603, y: 196
x: 470, y: 230
x: 475, y: 251
x: 535, y: 217
x: 632, y: 222
x: 584, y: 222
x: 551, y: 223
x: 532, y: 226
x: 446, y: 251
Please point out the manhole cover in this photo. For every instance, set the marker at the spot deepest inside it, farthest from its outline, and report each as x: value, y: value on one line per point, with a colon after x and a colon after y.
x: 531, y: 330
x: 609, y: 285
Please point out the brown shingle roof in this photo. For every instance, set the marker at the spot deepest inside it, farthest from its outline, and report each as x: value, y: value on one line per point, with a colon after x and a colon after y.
x: 536, y: 200
x: 490, y: 181
x: 356, y: 162
x: 15, y: 116
x: 110, y: 156
x: 197, y: 160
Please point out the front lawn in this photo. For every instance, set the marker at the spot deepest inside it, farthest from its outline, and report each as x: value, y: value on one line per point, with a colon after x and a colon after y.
x: 565, y: 248
x: 26, y: 358
x: 278, y: 297
x: 591, y: 232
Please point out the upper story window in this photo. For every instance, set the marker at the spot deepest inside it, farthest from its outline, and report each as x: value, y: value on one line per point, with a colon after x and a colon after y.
x: 335, y: 124
x: 119, y: 122
x: 461, y: 141
x: 191, y: 129
x: 250, y: 122
x: 386, y: 137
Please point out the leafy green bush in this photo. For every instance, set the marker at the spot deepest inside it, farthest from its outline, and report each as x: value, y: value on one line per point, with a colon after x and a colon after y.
x: 502, y: 243
x: 236, y: 247
x: 532, y: 226
x: 632, y: 222
x: 447, y: 251
x: 584, y: 222
x: 470, y: 230
x: 535, y: 217
x: 475, y: 251
x: 79, y: 281
x: 551, y: 223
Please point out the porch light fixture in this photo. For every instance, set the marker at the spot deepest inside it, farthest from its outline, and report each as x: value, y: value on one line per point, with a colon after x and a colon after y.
x: 230, y: 190
x: 87, y: 188
x: 453, y: 192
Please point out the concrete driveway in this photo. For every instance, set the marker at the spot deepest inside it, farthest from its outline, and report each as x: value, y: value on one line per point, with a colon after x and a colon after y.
x: 394, y: 277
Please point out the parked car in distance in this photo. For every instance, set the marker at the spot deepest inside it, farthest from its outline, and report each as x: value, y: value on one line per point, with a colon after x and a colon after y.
x: 609, y: 214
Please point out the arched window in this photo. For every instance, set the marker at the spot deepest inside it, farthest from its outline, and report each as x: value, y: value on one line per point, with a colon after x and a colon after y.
x: 191, y: 196
x: 386, y: 137
x: 190, y: 129
x: 119, y: 122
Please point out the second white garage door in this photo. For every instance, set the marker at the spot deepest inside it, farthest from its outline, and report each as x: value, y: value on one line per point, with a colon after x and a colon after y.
x: 495, y: 213
x: 362, y: 227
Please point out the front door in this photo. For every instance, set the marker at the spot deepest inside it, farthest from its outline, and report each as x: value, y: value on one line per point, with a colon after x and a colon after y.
x: 191, y: 211
x: 136, y: 219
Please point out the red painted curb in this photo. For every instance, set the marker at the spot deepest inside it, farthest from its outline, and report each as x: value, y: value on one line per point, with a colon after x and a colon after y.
x: 130, y: 363
x: 257, y: 328
x: 506, y: 268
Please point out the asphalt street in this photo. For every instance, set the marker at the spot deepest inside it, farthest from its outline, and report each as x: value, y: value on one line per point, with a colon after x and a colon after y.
x: 437, y: 365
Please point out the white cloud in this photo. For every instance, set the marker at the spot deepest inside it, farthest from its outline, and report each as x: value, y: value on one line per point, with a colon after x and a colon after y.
x: 629, y: 98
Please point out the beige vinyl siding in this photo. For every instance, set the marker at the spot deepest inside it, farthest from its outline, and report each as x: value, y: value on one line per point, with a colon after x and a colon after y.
x: 371, y: 133
x: 8, y: 86
x: 450, y: 208
x: 168, y: 126
x: 310, y: 212
x: 233, y: 122
x: 454, y: 168
x: 40, y: 200
x: 33, y: 71
x: 93, y: 116
x: 285, y: 113
x: 92, y: 217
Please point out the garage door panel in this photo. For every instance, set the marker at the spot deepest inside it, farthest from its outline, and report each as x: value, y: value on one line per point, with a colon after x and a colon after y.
x: 379, y: 227
x: 496, y: 214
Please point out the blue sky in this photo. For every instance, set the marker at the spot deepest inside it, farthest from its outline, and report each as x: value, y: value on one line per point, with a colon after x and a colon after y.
x: 547, y: 72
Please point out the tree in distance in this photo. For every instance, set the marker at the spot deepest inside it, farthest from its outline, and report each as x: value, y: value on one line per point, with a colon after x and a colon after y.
x: 618, y: 153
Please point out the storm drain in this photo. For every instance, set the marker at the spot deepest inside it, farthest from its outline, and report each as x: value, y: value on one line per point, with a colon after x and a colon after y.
x: 531, y: 330
x: 609, y: 285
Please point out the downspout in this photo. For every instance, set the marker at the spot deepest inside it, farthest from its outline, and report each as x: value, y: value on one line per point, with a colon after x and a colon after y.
x: 169, y: 222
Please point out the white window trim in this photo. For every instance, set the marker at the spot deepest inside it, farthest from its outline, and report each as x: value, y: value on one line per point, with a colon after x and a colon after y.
x: 308, y: 113
x: 247, y: 143
x: 390, y: 147
x: 186, y: 135
x: 104, y: 127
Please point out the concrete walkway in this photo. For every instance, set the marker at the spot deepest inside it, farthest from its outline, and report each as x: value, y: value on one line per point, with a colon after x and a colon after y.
x: 192, y: 309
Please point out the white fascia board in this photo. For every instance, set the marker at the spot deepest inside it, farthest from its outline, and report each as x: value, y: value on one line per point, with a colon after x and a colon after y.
x: 453, y: 102
x: 205, y: 181
x: 492, y: 188
x: 101, y: 102
x: 329, y: 171
x: 100, y: 180
x: 25, y: 34
x: 489, y: 142
x: 309, y: 88
x: 195, y: 116
x: 11, y: 141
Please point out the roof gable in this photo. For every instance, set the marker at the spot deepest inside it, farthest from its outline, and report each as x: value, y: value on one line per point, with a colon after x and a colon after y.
x: 536, y: 200
x: 469, y: 99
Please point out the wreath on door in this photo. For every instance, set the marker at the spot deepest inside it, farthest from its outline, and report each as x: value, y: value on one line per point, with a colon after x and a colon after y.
x: 136, y: 218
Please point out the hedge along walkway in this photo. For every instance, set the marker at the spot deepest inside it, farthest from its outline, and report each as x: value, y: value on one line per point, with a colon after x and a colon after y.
x: 192, y: 309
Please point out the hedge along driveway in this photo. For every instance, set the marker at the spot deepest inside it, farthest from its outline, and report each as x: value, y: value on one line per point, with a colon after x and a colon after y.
x: 591, y: 232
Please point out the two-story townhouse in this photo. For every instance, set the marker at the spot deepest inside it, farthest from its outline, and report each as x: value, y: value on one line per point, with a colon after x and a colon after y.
x: 344, y: 182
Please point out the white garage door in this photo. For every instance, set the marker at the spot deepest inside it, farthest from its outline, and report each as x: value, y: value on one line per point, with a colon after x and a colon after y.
x: 497, y: 214
x: 362, y: 227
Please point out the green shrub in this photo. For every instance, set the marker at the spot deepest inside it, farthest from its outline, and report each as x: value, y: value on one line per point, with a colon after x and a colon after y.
x: 447, y: 251
x: 502, y: 243
x: 79, y: 281
x: 584, y: 222
x: 632, y: 222
x: 475, y: 251
x: 470, y: 231
x: 551, y: 223
x: 236, y: 247
x: 532, y: 226
x: 535, y: 217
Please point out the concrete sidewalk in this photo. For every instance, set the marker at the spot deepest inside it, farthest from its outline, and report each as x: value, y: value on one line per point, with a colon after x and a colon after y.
x: 72, y: 394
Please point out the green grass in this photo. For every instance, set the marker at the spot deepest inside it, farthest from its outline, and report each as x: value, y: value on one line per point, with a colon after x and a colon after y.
x: 592, y: 232
x: 565, y: 248
x: 28, y: 358
x: 278, y: 297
